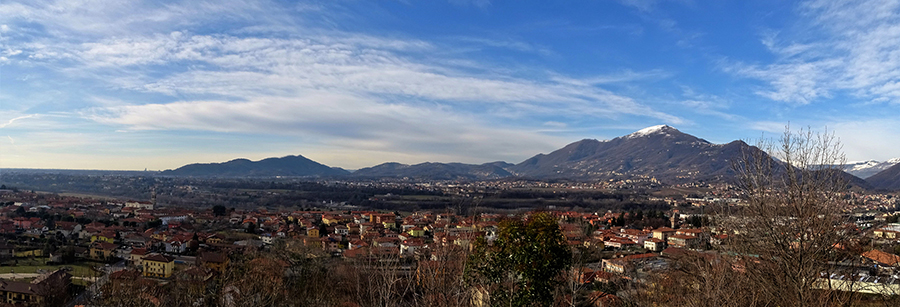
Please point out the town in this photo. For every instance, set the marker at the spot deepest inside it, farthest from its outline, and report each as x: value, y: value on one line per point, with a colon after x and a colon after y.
x: 99, y: 249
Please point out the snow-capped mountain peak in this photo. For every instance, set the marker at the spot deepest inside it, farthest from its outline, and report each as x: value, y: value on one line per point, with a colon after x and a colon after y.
x: 649, y: 130
x: 864, y: 169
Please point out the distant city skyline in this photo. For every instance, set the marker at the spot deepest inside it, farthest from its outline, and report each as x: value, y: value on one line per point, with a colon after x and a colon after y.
x: 140, y: 84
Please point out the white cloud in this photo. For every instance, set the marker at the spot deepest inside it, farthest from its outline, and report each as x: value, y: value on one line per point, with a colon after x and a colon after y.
x: 340, y: 120
x: 246, y: 67
x: 383, y: 94
x: 13, y: 120
x: 846, y: 46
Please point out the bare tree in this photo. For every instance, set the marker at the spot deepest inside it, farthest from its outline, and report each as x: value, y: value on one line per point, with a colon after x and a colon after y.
x: 698, y: 279
x: 439, y: 279
x: 129, y: 289
x: 382, y: 280
x: 791, y: 226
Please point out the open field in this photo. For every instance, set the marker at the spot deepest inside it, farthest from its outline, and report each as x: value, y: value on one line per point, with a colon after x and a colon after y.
x: 82, y: 269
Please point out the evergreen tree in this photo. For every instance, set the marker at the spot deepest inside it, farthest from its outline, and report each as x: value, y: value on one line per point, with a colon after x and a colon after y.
x: 522, y: 266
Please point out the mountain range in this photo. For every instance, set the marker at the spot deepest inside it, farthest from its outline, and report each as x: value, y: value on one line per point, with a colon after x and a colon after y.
x: 291, y: 166
x: 865, y: 169
x: 660, y: 152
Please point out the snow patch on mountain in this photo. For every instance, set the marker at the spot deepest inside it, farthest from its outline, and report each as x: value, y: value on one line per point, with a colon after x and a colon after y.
x: 865, y: 169
x: 648, y: 131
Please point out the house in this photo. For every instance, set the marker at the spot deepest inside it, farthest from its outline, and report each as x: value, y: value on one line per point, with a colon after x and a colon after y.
x: 417, y: 232
x: 312, y: 232
x: 146, y: 205
x: 887, y: 262
x: 891, y: 231
x: 108, y: 236
x: 267, y: 238
x: 136, y: 256
x: 214, y: 261
x: 103, y: 251
x: 214, y: 239
x: 68, y: 229
x: 411, y: 246
x: 627, y: 263
x: 21, y: 222
x: 689, y: 238
x: 385, y: 242
x: 175, y: 246
x: 81, y: 252
x: 635, y: 235
x: 654, y: 244
x: 342, y: 230
x: 35, y: 292
x: 663, y: 233
x: 682, y: 241
x: 357, y: 244
x: 618, y: 242
x: 136, y: 240
x: 159, y: 266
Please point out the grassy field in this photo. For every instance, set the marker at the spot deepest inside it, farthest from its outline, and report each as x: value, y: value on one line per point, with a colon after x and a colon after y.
x: 83, y: 269
x: 82, y: 195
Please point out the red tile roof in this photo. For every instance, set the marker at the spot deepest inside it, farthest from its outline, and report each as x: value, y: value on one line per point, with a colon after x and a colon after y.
x: 882, y: 257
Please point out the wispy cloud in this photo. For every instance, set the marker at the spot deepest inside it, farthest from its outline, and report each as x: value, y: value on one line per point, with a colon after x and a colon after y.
x: 13, y: 120
x: 246, y: 67
x: 337, y: 120
x: 847, y: 46
x: 329, y: 87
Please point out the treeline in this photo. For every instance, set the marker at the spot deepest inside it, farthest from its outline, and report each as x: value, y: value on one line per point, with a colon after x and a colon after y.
x: 133, y: 187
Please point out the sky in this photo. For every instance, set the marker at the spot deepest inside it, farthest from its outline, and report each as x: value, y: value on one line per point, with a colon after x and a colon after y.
x: 139, y: 85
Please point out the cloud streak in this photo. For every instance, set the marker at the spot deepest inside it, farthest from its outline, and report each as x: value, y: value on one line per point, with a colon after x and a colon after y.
x: 845, y: 47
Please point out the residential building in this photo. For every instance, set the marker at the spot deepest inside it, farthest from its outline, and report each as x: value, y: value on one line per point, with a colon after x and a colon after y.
x: 654, y: 244
x: 213, y: 260
x: 157, y: 265
x: 35, y: 292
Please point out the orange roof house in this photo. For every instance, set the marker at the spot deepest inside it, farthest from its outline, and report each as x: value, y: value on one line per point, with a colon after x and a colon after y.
x: 882, y: 257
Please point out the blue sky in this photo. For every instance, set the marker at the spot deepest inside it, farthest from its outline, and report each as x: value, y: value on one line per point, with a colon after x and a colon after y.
x: 136, y: 84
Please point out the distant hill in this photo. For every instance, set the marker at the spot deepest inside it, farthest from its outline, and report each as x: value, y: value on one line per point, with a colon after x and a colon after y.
x: 888, y: 179
x: 437, y: 171
x: 662, y: 152
x: 291, y: 166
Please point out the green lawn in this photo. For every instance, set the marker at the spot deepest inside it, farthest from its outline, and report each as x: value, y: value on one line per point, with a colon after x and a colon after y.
x: 78, y: 269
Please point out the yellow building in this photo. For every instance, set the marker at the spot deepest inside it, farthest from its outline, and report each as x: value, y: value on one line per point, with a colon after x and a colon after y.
x: 417, y: 232
x: 159, y: 266
x: 332, y: 219
x: 214, y: 239
x: 102, y: 250
x: 214, y: 261
x: 312, y: 232
x: 106, y: 236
